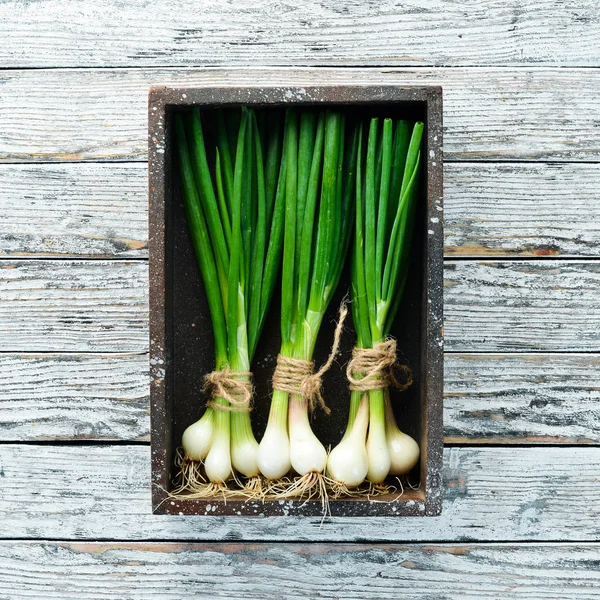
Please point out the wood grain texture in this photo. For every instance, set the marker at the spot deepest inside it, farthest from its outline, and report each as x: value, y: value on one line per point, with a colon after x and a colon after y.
x: 489, y: 113
x: 502, y: 306
x: 508, y: 399
x: 78, y: 210
x: 146, y: 571
x: 522, y: 306
x: 74, y: 397
x: 522, y: 398
x: 491, y: 210
x: 491, y: 494
x: 507, y: 98
x: 240, y: 32
x: 499, y: 209
x: 49, y: 306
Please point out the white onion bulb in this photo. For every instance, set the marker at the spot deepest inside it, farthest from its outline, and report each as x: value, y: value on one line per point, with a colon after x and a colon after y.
x: 197, y: 439
x: 378, y: 453
x: 348, y: 462
x: 244, y: 456
x: 306, y: 451
x: 274, y: 452
x: 218, y: 460
x: 404, y: 452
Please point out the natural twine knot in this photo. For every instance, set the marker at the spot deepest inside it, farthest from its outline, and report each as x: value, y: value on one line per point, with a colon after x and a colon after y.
x: 233, y: 386
x: 375, y: 368
x: 297, y: 376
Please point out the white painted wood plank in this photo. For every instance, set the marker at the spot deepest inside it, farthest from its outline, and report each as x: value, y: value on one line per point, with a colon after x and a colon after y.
x: 147, y: 571
x: 492, y: 494
x: 74, y: 209
x: 499, y: 209
x: 491, y: 209
x: 521, y: 398
x: 66, y: 397
x: 50, y: 306
x: 502, y: 306
x: 490, y: 113
x: 509, y: 399
x: 524, y: 306
x: 240, y: 32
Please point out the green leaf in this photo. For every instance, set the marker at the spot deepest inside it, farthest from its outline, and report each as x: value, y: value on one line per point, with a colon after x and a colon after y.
x: 201, y: 242
x: 289, y: 238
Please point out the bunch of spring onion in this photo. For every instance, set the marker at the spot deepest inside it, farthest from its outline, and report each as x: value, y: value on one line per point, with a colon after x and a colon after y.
x: 234, y: 201
x: 373, y: 446
x: 319, y: 198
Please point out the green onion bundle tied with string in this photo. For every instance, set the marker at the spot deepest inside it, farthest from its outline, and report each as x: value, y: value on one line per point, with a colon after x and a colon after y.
x: 373, y: 446
x: 234, y: 201
x: 319, y: 191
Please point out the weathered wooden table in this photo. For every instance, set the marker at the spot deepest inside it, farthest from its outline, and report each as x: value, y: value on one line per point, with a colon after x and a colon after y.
x: 522, y: 418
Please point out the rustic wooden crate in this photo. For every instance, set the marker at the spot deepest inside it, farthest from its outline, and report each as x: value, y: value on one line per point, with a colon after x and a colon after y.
x: 181, y: 348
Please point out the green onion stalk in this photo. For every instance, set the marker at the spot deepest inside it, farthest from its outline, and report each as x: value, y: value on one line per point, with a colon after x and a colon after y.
x: 319, y: 205
x: 234, y: 205
x: 373, y: 446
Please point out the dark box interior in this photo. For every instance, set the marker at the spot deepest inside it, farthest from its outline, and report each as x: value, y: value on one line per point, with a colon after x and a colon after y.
x: 185, y: 328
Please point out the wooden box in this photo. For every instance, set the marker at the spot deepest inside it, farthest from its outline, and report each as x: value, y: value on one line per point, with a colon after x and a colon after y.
x: 180, y: 328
